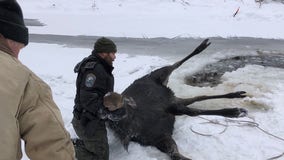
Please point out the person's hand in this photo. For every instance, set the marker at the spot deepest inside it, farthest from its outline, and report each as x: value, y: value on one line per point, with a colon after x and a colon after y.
x: 86, y: 117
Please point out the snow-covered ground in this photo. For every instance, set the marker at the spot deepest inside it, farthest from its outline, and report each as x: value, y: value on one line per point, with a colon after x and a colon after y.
x: 165, y: 18
x: 157, y: 18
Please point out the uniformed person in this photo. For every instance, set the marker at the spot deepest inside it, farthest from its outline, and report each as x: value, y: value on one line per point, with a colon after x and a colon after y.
x: 27, y: 110
x: 94, y: 81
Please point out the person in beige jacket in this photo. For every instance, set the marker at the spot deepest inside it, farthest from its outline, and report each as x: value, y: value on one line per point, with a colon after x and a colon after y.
x: 27, y: 110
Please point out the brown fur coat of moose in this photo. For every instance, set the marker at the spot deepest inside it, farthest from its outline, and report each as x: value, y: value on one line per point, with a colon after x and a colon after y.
x: 151, y: 108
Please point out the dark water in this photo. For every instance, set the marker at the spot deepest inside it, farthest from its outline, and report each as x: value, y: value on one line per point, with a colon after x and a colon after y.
x: 176, y: 48
x: 33, y: 22
x: 211, y: 74
x: 165, y: 46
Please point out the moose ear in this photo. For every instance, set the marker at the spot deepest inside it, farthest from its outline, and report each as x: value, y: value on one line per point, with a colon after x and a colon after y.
x: 130, y: 101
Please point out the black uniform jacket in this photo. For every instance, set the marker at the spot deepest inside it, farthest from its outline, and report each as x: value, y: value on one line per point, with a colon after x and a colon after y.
x: 94, y: 80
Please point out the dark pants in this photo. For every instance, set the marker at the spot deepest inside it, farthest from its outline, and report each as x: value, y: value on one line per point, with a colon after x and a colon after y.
x: 94, y: 147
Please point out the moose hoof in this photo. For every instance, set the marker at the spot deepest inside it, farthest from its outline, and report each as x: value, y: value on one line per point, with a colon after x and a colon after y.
x: 179, y: 157
x: 235, y: 112
x: 240, y: 112
x: 240, y: 94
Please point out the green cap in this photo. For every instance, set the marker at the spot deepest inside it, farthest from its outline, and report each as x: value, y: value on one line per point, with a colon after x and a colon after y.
x: 104, y: 45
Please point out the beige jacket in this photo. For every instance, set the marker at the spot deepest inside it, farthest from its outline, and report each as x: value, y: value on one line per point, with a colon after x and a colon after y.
x: 28, y: 112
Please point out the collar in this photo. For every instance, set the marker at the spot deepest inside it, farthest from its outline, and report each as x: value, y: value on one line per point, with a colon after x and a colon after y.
x: 4, y: 46
x: 108, y: 67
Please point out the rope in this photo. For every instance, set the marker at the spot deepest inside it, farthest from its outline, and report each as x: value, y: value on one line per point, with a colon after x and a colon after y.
x: 254, y: 124
x: 239, y: 123
x: 213, y: 122
x: 276, y: 157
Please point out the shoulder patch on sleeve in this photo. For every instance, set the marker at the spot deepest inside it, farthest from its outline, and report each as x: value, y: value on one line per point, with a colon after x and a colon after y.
x: 90, y: 80
x: 90, y: 65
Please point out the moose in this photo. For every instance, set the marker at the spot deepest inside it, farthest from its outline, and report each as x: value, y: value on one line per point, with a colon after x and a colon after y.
x: 151, y: 108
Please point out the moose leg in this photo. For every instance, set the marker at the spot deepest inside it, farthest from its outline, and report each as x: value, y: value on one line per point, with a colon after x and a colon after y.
x: 188, y: 101
x: 162, y: 75
x: 167, y: 145
x: 227, y: 112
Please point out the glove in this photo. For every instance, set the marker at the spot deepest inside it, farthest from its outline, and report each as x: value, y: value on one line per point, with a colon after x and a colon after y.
x: 117, y: 114
x: 85, y: 117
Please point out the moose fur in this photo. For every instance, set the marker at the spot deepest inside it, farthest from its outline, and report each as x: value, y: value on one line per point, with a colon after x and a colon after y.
x: 151, y: 108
